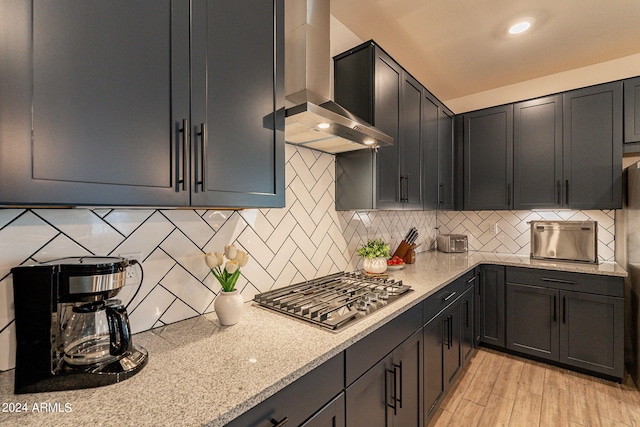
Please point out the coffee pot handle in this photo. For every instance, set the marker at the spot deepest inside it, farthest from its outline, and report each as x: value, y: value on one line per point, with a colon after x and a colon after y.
x: 118, y: 325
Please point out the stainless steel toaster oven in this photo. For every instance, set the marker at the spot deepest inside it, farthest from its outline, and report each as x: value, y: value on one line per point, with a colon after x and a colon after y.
x: 565, y: 240
x: 452, y: 243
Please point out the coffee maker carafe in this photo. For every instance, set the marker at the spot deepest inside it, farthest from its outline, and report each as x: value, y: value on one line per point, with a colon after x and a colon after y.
x: 71, y: 332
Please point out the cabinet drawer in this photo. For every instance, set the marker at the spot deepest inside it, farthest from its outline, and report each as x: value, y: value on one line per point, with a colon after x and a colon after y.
x: 579, y: 282
x: 310, y: 393
x: 437, y: 302
x: 368, y: 351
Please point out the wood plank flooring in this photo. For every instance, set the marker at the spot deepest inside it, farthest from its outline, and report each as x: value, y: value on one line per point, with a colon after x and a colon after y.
x: 498, y: 389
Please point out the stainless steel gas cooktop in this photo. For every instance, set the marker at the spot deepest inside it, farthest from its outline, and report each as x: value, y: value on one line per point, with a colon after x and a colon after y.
x: 334, y: 301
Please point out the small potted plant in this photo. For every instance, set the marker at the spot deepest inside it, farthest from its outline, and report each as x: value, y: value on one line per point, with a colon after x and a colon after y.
x: 375, y: 254
x: 229, y: 302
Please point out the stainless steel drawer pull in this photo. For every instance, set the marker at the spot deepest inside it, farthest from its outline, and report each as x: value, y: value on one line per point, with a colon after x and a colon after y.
x: 448, y: 297
x: 567, y: 282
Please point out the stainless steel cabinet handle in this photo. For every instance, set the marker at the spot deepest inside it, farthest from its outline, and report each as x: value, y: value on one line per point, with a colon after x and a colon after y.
x: 277, y: 423
x: 564, y: 310
x: 473, y: 279
x: 401, y: 188
x: 509, y: 194
x: 448, y: 297
x: 182, y: 179
x: 441, y: 194
x: 566, y: 189
x: 466, y: 322
x: 566, y: 282
x: 203, y: 155
x: 554, y: 309
x: 450, y: 330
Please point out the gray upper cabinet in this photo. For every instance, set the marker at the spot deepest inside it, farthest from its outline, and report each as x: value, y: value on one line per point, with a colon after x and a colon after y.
x: 446, y: 159
x: 537, y: 153
x: 371, y: 85
x: 488, y: 158
x: 88, y: 118
x: 592, y: 134
x: 238, y: 103
x: 437, y: 154
x: 410, y: 142
x: 97, y: 106
x: 632, y: 115
x: 430, y: 150
x: 367, y: 83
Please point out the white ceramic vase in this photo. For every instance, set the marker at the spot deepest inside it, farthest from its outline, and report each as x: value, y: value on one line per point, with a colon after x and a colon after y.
x: 228, y: 307
x: 375, y: 265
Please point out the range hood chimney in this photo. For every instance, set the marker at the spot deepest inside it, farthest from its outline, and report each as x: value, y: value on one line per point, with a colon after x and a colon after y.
x: 312, y: 119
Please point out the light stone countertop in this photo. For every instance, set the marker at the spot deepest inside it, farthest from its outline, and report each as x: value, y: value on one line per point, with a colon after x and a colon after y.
x: 200, y: 373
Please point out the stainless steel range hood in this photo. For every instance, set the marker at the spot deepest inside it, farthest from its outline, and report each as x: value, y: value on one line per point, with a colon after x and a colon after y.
x: 312, y: 120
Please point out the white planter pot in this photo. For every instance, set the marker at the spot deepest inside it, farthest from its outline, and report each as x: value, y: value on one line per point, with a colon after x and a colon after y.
x: 375, y: 265
x: 228, y: 307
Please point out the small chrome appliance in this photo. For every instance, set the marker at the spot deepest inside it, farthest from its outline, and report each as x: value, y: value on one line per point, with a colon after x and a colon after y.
x: 453, y: 243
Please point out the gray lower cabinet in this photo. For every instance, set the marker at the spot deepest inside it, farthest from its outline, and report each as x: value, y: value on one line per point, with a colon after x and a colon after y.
x: 138, y: 117
x: 448, y: 339
x: 492, y: 305
x: 532, y: 320
x: 310, y: 393
x: 570, y: 318
x: 632, y: 115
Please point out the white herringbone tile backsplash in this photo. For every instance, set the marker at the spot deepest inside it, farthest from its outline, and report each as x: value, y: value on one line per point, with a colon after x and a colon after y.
x: 508, y: 232
x: 306, y: 239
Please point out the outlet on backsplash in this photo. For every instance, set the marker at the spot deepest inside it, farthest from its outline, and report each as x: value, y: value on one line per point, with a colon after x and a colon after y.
x: 131, y: 277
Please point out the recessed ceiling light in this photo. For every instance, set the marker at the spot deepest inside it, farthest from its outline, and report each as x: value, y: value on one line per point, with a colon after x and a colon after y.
x: 520, y: 27
x: 324, y: 125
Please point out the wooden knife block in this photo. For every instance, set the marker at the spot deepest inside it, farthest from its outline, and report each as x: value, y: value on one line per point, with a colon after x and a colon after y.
x: 410, y: 257
x: 406, y: 252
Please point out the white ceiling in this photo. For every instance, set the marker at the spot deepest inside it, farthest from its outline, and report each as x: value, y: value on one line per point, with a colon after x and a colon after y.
x: 458, y: 48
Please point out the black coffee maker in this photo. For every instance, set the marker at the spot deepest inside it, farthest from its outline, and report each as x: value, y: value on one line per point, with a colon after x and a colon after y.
x: 71, y: 332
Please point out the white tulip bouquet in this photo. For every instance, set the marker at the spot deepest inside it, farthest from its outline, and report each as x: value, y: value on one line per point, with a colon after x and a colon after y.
x: 229, y: 275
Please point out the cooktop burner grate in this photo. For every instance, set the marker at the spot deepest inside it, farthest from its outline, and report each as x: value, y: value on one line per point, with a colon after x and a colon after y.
x: 333, y: 301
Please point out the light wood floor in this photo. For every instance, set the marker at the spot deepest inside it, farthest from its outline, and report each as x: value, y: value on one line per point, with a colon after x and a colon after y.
x: 498, y: 389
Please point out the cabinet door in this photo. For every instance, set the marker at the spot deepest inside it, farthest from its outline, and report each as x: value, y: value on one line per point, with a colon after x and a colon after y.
x: 89, y: 119
x: 532, y: 320
x: 592, y: 144
x: 332, y: 415
x: 430, y: 151
x: 388, y: 76
x: 451, y: 358
x: 492, y: 305
x: 409, y: 143
x: 446, y: 159
x: 632, y: 113
x: 433, y: 334
x: 368, y: 397
x: 488, y: 158
x: 407, y: 363
x: 591, y: 332
x: 466, y: 322
x: 537, y: 153
x: 237, y: 125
